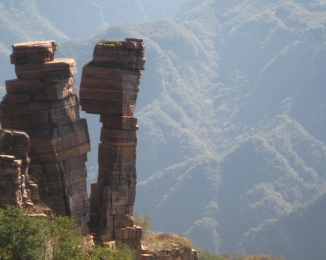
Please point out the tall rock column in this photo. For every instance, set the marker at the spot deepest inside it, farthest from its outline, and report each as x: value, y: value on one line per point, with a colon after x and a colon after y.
x: 109, y: 87
x: 42, y: 101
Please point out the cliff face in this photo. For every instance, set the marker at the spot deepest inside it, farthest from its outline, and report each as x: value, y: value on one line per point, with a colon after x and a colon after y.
x: 42, y: 101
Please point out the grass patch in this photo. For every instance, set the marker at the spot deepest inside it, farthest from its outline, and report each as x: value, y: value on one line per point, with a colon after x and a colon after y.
x: 157, y: 243
x: 111, y: 43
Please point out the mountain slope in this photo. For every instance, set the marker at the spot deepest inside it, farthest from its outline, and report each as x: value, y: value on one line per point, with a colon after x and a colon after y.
x: 290, y: 234
x: 21, y: 22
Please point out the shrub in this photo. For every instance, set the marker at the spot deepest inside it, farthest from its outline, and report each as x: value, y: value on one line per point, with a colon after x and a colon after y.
x: 105, y: 253
x: 33, y: 238
x: 66, y: 241
x: 143, y: 221
x: 22, y: 237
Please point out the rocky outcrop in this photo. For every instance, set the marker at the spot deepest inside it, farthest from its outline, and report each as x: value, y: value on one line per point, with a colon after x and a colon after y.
x: 109, y: 87
x: 15, y: 186
x: 42, y: 102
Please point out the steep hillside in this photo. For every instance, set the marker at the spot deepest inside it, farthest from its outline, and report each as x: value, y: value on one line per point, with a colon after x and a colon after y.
x: 20, y: 22
x: 290, y: 234
x: 90, y: 16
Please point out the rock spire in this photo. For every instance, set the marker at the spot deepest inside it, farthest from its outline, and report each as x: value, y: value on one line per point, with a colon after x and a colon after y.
x: 109, y: 87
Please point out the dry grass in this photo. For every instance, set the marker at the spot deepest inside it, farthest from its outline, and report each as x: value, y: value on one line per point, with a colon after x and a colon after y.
x: 38, y: 210
x: 157, y: 243
x: 111, y: 43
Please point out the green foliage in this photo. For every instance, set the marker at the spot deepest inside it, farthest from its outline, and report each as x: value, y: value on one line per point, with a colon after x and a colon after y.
x: 65, y: 239
x: 33, y: 238
x: 22, y: 237
x: 144, y: 221
x: 105, y: 253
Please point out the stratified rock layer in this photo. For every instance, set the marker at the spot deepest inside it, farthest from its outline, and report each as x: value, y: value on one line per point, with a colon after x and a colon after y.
x: 109, y: 87
x: 15, y: 186
x: 42, y: 102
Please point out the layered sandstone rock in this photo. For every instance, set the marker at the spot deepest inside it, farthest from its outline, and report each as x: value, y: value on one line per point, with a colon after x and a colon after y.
x: 109, y: 87
x: 42, y: 102
x: 15, y: 186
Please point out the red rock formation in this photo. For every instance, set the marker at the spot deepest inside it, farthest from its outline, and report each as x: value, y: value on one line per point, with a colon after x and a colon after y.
x: 109, y: 87
x: 15, y: 186
x: 43, y: 103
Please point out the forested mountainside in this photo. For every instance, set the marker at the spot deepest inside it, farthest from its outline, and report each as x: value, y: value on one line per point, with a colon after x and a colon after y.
x: 232, y: 116
x: 303, y: 223
x: 92, y: 15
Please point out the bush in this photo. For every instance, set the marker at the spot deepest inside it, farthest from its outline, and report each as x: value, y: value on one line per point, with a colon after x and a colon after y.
x: 66, y: 241
x: 33, y: 238
x: 105, y: 253
x: 22, y: 237
x: 143, y: 221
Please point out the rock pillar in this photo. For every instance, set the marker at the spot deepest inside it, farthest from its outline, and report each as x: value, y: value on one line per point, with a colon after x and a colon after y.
x: 109, y: 87
x: 42, y: 101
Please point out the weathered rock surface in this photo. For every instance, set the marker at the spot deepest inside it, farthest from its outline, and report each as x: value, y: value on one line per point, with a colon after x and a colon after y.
x: 33, y: 52
x: 14, y: 161
x: 109, y: 87
x: 43, y: 102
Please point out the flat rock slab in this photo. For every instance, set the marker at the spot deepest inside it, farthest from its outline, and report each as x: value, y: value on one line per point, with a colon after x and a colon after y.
x: 48, y: 89
x: 58, y: 68
x: 96, y: 106
x: 33, y: 52
x: 119, y: 122
x: 98, y: 77
x: 118, y: 137
x: 128, y: 54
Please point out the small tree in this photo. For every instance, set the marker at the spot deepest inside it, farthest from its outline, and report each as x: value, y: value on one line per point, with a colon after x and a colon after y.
x: 65, y: 241
x: 22, y: 237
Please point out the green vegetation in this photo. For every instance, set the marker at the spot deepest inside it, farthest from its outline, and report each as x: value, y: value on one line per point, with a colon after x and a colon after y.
x: 31, y: 238
x: 157, y: 243
x: 144, y: 221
